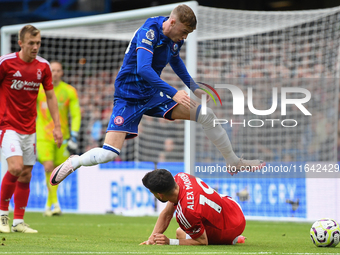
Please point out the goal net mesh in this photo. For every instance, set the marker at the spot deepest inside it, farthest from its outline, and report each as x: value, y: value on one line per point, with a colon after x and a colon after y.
x: 258, y: 50
x: 262, y: 51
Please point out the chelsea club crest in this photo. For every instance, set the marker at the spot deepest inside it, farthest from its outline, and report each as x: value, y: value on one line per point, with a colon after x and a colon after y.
x: 150, y: 34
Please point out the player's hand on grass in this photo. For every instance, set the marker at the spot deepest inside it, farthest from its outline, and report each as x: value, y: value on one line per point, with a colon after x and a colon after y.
x: 183, y: 98
x: 150, y: 241
x: 200, y: 92
x: 161, y: 239
x: 146, y: 243
x: 58, y: 136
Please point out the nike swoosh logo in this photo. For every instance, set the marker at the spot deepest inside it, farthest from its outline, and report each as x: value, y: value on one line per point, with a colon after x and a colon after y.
x: 53, y: 181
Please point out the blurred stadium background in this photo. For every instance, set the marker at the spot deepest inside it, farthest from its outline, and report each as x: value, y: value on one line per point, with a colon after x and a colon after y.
x: 279, y: 47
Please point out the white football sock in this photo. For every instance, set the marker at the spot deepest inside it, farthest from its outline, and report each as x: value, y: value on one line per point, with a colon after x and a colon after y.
x: 17, y: 221
x: 96, y: 156
x: 4, y: 212
x: 217, y: 135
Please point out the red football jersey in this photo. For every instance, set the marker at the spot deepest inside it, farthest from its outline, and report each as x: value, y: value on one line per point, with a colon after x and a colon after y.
x: 19, y: 87
x: 201, y: 208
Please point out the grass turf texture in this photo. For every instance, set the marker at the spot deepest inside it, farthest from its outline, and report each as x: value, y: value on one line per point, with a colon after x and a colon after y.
x: 112, y: 234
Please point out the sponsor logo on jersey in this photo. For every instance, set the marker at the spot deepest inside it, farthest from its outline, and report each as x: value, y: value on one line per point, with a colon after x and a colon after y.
x: 17, y: 74
x: 195, y: 231
x: 119, y: 120
x: 39, y: 73
x: 27, y: 85
x: 150, y: 34
x: 147, y: 42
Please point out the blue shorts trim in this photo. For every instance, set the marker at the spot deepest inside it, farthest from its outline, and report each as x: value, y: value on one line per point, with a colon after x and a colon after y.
x: 167, y: 115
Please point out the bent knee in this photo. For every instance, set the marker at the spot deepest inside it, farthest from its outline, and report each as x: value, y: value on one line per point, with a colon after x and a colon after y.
x: 209, y: 114
x: 16, y: 169
x: 25, y: 177
x: 48, y: 166
x: 180, y: 234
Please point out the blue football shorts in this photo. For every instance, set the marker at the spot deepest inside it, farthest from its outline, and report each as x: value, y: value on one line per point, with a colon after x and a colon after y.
x: 127, y: 113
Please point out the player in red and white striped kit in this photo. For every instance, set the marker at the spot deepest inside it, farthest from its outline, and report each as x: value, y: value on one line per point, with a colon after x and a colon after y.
x: 21, y: 74
x: 204, y: 216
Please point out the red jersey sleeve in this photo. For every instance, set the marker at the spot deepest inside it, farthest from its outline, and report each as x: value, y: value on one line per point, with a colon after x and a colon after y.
x: 47, y: 76
x: 2, y: 72
x: 191, y: 223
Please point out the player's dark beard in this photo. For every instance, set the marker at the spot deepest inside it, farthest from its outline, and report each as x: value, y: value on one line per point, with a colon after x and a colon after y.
x: 161, y: 200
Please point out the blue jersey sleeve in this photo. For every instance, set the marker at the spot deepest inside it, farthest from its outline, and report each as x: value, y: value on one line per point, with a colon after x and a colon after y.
x: 145, y: 70
x: 180, y: 69
x: 146, y: 38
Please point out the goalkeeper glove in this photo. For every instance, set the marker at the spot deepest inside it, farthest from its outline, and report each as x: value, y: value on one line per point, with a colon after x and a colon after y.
x: 72, y: 143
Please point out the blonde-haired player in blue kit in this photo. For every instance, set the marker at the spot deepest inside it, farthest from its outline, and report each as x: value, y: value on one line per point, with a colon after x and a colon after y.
x: 139, y: 90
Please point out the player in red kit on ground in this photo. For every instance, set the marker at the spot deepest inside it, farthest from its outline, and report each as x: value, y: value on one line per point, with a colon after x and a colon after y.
x: 21, y: 74
x: 204, y: 216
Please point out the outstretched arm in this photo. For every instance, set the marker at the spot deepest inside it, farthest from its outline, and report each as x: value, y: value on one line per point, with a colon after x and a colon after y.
x: 145, y: 70
x: 162, y: 223
x: 53, y: 108
x: 180, y: 69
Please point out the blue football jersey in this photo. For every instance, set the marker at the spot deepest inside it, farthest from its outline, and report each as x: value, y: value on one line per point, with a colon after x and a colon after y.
x: 149, y: 37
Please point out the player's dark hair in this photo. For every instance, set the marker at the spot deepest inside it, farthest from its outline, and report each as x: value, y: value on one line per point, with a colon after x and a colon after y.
x: 185, y: 15
x: 28, y: 29
x: 159, y: 181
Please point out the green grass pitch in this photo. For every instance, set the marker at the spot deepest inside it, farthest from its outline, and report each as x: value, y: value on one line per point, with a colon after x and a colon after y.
x: 112, y: 234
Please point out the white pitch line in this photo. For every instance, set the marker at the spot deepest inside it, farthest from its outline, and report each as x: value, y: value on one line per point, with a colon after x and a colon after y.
x: 158, y: 252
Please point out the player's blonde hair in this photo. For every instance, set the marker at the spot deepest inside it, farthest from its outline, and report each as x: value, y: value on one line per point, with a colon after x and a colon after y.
x: 56, y: 61
x: 185, y: 15
x: 28, y: 29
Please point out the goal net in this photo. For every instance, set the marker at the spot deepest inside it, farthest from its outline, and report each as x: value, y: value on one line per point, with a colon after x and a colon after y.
x: 258, y: 50
x: 266, y: 50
